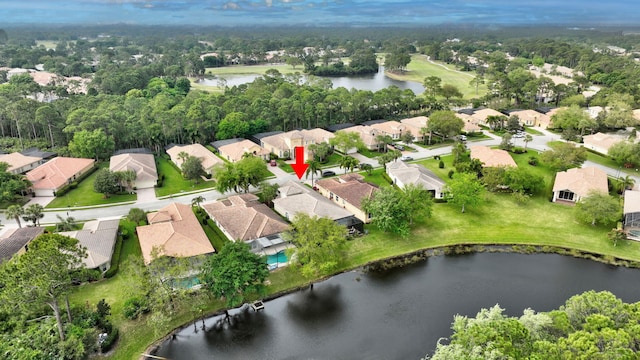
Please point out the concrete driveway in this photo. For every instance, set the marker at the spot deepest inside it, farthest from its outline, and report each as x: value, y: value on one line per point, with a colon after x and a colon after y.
x: 42, y: 200
x: 146, y: 195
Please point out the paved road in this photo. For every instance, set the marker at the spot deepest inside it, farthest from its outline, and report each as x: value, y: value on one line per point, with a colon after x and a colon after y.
x: 149, y: 203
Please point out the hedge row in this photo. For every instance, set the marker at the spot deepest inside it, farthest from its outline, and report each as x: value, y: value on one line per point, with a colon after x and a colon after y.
x: 115, y: 259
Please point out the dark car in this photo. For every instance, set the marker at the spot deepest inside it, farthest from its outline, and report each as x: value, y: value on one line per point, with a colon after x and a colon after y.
x: 328, y: 173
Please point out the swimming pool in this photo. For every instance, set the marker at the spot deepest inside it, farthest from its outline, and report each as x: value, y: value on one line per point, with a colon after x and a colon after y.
x: 277, y: 259
x: 634, y: 233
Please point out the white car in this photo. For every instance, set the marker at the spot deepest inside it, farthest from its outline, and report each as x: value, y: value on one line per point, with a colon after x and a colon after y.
x: 406, y: 158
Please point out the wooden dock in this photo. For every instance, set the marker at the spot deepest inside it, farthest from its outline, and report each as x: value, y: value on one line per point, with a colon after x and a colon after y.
x: 257, y: 305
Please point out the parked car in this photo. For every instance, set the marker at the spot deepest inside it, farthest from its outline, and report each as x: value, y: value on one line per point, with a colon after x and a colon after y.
x: 328, y: 173
x: 399, y: 147
x: 463, y: 138
x: 518, y: 135
x: 406, y: 158
x: 273, y: 163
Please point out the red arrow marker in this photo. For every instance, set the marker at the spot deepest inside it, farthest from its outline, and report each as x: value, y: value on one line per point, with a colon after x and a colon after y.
x: 299, y: 167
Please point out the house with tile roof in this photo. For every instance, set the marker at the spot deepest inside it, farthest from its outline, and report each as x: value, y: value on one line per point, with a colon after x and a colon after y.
x: 572, y: 185
x: 56, y: 173
x: 367, y: 135
x: 173, y: 231
x: 481, y: 115
x: 531, y: 117
x: 243, y: 217
x: 415, y: 125
x: 99, y: 240
x: 631, y: 211
x: 209, y: 160
x: 470, y: 123
x: 16, y: 241
x: 284, y: 144
x: 402, y: 174
x: 294, y: 197
x: 492, y: 157
x: 144, y: 165
x: 20, y: 163
x: 348, y: 191
x: 601, y: 142
x: 234, y: 151
x: 395, y: 129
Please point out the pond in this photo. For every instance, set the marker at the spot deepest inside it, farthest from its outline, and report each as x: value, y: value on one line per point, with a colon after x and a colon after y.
x: 401, y: 313
x: 373, y: 82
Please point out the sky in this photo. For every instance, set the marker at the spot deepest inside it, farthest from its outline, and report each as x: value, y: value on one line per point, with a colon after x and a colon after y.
x: 320, y: 12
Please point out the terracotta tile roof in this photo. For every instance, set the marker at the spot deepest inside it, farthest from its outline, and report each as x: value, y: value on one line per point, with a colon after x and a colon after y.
x: 244, y: 218
x: 99, y: 239
x: 235, y: 150
x: 482, y: 114
x: 178, y: 234
x: 295, y: 198
x: 417, y: 122
x: 470, y: 123
x: 144, y: 165
x: 283, y: 141
x: 602, y: 141
x: 631, y: 201
x: 367, y: 134
x: 16, y: 160
x: 57, y: 172
x: 532, y: 117
x: 197, y: 150
x: 396, y: 128
x: 492, y: 157
x: 13, y: 242
x: 351, y: 190
x: 581, y: 180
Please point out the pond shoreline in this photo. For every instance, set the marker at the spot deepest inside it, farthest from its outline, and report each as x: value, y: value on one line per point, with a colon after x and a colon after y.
x: 419, y: 256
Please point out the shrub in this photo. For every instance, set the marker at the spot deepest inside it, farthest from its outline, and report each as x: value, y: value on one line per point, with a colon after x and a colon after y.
x: 135, y: 307
x: 387, y: 178
x: 115, y: 259
x: 533, y: 161
x: 107, y: 344
x: 441, y: 164
x: 450, y: 174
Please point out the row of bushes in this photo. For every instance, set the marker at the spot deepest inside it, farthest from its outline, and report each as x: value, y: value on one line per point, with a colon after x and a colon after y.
x: 65, y: 189
x: 160, y: 181
x: 115, y: 259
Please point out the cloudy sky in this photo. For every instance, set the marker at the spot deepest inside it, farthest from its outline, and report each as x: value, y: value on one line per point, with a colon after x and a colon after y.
x: 320, y: 12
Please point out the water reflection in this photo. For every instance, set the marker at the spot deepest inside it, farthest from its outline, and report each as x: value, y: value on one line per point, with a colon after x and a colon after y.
x: 373, y: 82
x: 318, y: 306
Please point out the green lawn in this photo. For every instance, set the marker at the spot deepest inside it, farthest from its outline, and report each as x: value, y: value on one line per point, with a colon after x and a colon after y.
x: 420, y: 68
x: 84, y: 195
x: 531, y: 131
x: 252, y: 69
x: 376, y: 177
x: 173, y: 182
x: 370, y: 153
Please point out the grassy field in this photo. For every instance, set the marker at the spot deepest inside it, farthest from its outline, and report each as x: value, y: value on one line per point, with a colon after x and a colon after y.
x: 252, y: 69
x: 420, y: 68
x: 173, y: 182
x: 84, y: 195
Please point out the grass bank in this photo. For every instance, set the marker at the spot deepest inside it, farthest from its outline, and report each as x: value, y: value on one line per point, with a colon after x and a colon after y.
x: 420, y: 67
x: 174, y: 182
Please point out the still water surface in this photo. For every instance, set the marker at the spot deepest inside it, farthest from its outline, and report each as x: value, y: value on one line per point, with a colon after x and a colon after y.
x: 399, y: 314
x: 373, y: 82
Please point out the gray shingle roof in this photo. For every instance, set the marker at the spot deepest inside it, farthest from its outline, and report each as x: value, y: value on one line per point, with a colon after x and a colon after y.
x: 17, y: 240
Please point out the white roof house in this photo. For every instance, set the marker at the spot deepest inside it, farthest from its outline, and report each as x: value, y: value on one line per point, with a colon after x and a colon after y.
x: 403, y: 174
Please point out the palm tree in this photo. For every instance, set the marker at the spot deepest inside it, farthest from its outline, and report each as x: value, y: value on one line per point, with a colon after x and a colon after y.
x: 196, y: 201
x: 348, y: 163
x: 314, y: 167
x: 366, y: 167
x: 626, y: 183
x: 67, y: 224
x: 34, y: 213
x: 527, y: 139
x: 383, y: 141
x: 14, y: 212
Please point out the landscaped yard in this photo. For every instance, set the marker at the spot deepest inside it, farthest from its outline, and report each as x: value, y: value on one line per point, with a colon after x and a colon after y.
x: 84, y: 195
x: 173, y: 182
x: 420, y: 68
x: 376, y: 177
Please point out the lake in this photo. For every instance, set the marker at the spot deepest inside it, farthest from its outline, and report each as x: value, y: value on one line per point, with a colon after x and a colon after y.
x: 373, y: 82
x: 401, y: 313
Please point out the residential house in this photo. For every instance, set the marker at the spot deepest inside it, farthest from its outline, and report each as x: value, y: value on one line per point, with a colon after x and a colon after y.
x: 16, y: 241
x: 415, y: 125
x: 56, y: 173
x: 531, y: 117
x: 234, y: 151
x: 492, y: 157
x: 20, y: 163
x: 284, y: 144
x: 144, y: 165
x: 244, y: 218
x: 470, y: 123
x: 348, y: 191
x: 550, y: 112
x: 294, y: 198
x: 601, y: 142
x: 173, y: 231
x: 572, y: 185
x: 631, y: 212
x: 396, y: 129
x: 481, y: 115
x: 367, y: 135
x: 402, y: 174
x: 209, y: 160
x: 99, y: 240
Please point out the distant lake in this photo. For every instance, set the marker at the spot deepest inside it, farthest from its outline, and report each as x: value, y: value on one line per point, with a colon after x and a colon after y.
x: 373, y: 82
x: 398, y: 314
